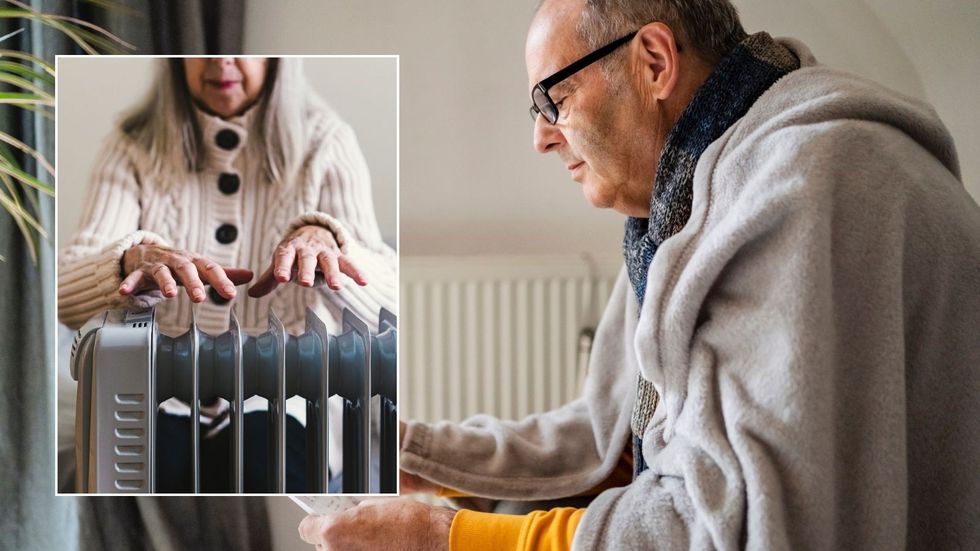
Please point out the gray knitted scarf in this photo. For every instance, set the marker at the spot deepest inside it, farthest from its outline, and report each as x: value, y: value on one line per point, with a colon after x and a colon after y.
x: 740, y: 78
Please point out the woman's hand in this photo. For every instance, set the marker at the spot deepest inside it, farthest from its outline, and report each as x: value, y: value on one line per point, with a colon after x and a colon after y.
x: 156, y: 267
x: 300, y: 254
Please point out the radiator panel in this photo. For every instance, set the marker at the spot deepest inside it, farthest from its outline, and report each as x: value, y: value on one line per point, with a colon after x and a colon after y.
x: 126, y: 369
x: 507, y: 336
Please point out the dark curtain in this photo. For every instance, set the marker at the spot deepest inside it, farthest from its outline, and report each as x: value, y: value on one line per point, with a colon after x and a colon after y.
x: 31, y: 516
x: 175, y: 27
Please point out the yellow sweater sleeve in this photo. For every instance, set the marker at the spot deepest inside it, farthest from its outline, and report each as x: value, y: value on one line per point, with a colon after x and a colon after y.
x: 538, y: 531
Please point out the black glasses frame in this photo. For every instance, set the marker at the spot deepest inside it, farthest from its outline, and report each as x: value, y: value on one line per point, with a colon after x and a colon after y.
x: 541, y: 102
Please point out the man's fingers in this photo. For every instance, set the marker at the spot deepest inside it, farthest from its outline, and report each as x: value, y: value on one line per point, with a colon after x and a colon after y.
x: 350, y: 268
x: 282, y: 262
x: 131, y: 283
x: 315, y: 529
x: 331, y: 270
x: 266, y: 283
x: 187, y: 273
x: 309, y: 529
x: 165, y: 281
x: 307, y: 262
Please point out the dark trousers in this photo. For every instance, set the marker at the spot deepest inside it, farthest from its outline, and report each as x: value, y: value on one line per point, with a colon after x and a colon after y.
x: 173, y: 456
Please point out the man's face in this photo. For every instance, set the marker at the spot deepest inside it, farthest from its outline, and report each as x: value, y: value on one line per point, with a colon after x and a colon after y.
x: 603, y: 135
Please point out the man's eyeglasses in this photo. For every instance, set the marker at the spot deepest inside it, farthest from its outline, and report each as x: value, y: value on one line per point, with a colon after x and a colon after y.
x: 542, y: 102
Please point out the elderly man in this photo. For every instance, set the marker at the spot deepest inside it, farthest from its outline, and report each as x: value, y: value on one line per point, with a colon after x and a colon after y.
x: 791, y: 357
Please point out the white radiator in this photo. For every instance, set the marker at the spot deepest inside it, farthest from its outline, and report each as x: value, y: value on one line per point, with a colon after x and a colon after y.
x: 502, y: 335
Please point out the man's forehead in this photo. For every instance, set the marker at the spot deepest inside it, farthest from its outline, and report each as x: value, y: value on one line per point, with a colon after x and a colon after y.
x: 552, y: 40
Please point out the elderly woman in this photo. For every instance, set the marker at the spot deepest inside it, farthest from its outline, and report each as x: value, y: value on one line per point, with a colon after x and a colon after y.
x: 230, y: 167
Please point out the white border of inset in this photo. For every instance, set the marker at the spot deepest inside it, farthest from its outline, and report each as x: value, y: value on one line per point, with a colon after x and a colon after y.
x: 397, y: 59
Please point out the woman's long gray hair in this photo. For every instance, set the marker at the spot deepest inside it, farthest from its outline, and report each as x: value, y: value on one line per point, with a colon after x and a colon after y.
x: 165, y: 126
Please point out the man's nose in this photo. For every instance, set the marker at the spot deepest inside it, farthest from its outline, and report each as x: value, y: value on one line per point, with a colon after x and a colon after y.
x: 547, y: 136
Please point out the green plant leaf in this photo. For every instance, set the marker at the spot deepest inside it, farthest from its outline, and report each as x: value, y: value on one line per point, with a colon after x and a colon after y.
x: 23, y: 70
x: 18, y: 97
x: 102, y: 44
x: 26, y: 222
x: 35, y: 81
x: 16, y: 208
x: 111, y: 6
x: 76, y: 22
x: 81, y: 32
x: 25, y: 84
x: 48, y: 68
x: 91, y: 29
x: 18, y: 214
x: 7, y: 154
x: 26, y: 178
x: 5, y: 137
x: 49, y: 21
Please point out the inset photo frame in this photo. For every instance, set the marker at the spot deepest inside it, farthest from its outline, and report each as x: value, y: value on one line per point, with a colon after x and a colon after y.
x: 227, y: 274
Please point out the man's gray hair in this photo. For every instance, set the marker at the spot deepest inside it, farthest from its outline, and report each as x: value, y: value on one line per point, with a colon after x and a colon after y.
x: 164, y: 123
x: 710, y: 27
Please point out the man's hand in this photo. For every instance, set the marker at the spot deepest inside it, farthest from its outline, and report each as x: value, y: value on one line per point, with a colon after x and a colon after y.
x: 412, y: 483
x: 156, y: 267
x: 300, y: 255
x: 381, y: 524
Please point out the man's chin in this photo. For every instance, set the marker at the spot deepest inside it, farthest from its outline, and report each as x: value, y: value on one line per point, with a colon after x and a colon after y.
x: 595, y: 197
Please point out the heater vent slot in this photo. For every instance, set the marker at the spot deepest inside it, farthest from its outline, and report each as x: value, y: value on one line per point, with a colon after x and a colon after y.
x: 131, y: 486
x: 129, y: 399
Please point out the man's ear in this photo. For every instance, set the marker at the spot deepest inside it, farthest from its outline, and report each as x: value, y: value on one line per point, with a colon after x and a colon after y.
x: 655, y: 53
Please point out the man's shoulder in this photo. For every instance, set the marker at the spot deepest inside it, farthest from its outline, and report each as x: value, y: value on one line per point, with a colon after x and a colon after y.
x: 818, y: 105
x: 820, y: 138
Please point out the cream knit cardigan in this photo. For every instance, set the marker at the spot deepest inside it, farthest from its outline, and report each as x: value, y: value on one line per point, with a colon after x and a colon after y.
x: 126, y: 207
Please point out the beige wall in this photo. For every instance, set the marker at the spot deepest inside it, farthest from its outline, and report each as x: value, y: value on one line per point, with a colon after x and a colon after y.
x: 94, y: 91
x: 470, y: 182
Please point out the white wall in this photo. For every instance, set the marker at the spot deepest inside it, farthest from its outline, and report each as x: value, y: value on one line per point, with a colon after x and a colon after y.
x: 94, y: 91
x: 470, y: 181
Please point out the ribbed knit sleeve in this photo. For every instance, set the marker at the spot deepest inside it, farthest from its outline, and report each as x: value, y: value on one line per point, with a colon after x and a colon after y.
x: 88, y: 266
x: 345, y: 195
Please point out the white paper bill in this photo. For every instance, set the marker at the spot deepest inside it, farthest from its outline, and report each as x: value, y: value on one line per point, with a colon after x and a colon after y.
x: 321, y: 505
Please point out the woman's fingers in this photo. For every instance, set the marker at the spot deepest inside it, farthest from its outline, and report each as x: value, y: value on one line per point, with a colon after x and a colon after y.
x: 187, y: 273
x: 282, y: 261
x: 306, y: 263
x: 164, y: 280
x: 166, y: 269
x: 214, y: 274
x: 348, y: 267
x: 331, y: 269
x: 131, y: 283
x: 300, y: 255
